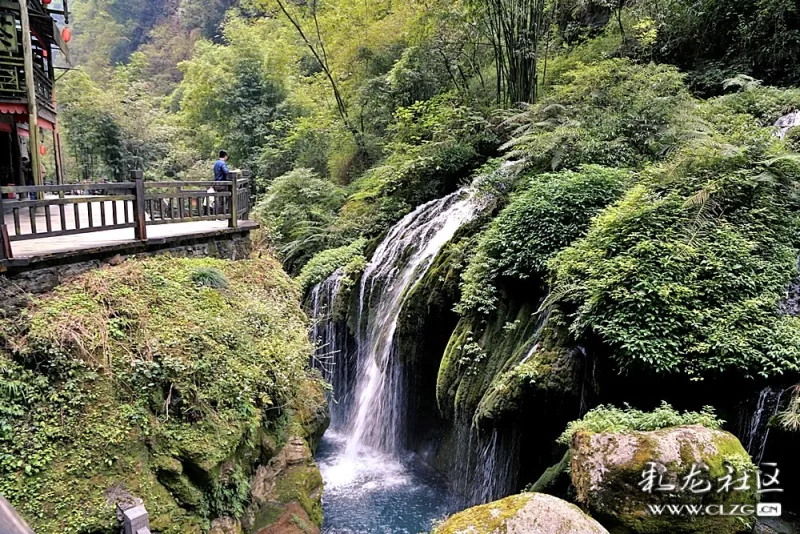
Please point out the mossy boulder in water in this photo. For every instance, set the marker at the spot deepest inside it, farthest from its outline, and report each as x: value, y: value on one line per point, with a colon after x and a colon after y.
x: 685, y: 465
x: 527, y: 513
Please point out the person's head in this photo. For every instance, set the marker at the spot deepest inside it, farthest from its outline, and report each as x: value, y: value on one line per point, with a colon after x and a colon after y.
x: 223, y: 155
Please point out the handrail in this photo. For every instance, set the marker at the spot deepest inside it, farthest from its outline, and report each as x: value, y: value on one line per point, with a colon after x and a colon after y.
x: 59, y: 210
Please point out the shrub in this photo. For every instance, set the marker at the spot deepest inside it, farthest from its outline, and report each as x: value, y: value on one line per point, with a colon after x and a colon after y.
x: 607, y: 418
x: 324, y: 263
x: 209, y: 277
x: 767, y: 104
x: 612, y: 113
x: 298, y: 209
x: 553, y: 211
x: 685, y: 273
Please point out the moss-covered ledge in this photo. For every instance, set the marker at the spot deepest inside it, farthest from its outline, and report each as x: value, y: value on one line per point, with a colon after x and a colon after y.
x: 171, y: 379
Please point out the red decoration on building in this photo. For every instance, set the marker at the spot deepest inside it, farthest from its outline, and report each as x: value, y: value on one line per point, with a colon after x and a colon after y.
x: 46, y: 2
x: 66, y: 34
x: 42, y: 150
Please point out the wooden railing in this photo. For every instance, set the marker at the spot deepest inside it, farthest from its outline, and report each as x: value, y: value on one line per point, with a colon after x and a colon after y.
x: 60, y: 210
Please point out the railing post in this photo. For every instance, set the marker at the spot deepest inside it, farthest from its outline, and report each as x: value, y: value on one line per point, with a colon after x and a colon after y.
x: 139, y: 219
x: 246, y: 178
x: 233, y: 222
x: 5, y: 244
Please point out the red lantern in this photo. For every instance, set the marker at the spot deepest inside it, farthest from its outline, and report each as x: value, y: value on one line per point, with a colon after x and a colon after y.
x: 46, y: 2
x: 66, y: 34
x: 42, y: 150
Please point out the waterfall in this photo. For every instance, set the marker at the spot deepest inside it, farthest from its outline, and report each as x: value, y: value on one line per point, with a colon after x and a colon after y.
x: 754, y: 426
x: 330, y: 342
x: 486, y: 464
x: 371, y: 483
x: 400, y: 261
x: 786, y: 123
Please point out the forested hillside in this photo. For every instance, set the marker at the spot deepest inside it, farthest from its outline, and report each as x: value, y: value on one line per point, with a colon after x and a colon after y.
x: 616, y: 217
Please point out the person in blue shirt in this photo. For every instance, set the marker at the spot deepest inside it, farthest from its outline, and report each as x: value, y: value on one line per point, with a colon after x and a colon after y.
x: 221, y: 167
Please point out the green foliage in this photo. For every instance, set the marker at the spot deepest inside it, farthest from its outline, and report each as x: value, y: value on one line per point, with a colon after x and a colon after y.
x: 324, y: 263
x: 685, y: 273
x: 613, y: 113
x: 545, y: 217
x: 612, y: 419
x: 298, y: 209
x: 789, y: 419
x: 441, y: 118
x: 104, y: 128
x: 434, y: 147
x: 759, y: 38
x: 137, y: 373
x: 767, y: 104
x: 232, y: 96
x: 209, y: 277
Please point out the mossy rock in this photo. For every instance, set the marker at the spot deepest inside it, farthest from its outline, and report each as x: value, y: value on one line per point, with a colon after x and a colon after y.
x: 608, y: 472
x: 288, y: 483
x: 527, y: 513
x: 136, y: 379
x: 491, y: 369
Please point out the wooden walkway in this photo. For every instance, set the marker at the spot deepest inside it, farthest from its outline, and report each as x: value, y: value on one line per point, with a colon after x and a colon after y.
x: 107, y: 238
x: 50, y: 223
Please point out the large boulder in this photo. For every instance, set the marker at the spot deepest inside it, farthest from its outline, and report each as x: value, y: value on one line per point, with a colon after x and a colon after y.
x: 527, y: 513
x: 611, y: 471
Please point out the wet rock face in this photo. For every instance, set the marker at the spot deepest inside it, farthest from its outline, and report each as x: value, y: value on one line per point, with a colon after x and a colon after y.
x: 610, y: 472
x: 225, y: 525
x: 289, y: 483
x: 528, y: 513
x: 286, y: 491
x: 294, y: 520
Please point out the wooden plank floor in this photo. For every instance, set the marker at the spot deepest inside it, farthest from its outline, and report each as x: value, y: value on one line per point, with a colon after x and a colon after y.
x: 106, y: 238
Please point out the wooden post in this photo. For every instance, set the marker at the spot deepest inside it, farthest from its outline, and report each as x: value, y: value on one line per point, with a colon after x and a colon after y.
x: 5, y: 244
x: 57, y: 145
x: 233, y: 222
x: 16, y: 154
x: 248, y: 189
x: 30, y: 86
x: 139, y: 218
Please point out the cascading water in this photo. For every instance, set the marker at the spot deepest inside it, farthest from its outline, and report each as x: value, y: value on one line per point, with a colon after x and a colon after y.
x: 487, y: 464
x: 371, y: 484
x: 400, y: 261
x: 754, y: 425
x: 786, y: 123
x: 330, y: 341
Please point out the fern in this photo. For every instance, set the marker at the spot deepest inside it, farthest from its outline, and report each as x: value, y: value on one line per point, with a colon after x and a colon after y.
x: 742, y: 81
x: 789, y: 419
x: 209, y: 277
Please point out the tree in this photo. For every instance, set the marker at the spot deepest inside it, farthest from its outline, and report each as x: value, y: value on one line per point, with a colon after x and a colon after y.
x: 316, y: 45
x: 515, y: 28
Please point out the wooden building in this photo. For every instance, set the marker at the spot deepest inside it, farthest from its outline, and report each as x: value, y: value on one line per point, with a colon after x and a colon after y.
x: 30, y: 39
